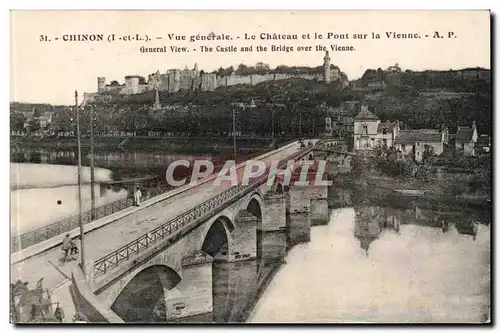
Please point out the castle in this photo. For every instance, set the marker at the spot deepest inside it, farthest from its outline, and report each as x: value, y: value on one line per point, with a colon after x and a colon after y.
x: 191, y: 79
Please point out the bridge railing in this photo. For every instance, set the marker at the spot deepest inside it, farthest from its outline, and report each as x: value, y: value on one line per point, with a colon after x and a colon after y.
x: 36, y: 236
x: 57, y: 228
x: 214, y: 204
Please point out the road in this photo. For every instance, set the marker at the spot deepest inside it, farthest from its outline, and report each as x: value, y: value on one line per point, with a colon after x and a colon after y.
x: 106, y: 239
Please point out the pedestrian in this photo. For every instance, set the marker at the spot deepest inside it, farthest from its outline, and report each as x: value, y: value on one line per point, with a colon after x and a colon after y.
x: 74, y: 247
x: 137, y: 196
x: 59, y: 313
x: 66, y: 246
x: 33, y: 311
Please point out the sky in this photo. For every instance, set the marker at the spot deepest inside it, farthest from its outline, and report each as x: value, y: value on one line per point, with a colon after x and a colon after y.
x: 50, y: 71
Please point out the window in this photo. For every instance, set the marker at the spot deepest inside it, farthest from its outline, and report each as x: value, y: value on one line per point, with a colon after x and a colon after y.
x: 384, y: 131
x: 365, y: 129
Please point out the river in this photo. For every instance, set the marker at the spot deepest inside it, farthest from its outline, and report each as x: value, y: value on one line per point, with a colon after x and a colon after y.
x: 44, y: 180
x: 373, y: 262
x: 368, y: 264
x: 364, y: 267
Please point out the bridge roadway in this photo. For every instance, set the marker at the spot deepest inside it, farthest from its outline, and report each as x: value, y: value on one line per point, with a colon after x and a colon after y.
x: 101, y: 241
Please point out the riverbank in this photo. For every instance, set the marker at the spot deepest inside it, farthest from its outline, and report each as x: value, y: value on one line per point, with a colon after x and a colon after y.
x: 450, y: 192
x: 190, y: 144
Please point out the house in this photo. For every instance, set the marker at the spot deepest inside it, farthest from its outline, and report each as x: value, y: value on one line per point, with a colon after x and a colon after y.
x: 370, y: 133
x: 466, y: 138
x: 417, y: 143
x: 338, y: 126
x: 483, y: 144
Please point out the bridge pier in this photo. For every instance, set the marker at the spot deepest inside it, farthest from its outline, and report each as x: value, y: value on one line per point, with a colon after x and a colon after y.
x: 298, y: 217
x: 273, y: 213
x: 244, y: 237
x: 271, y: 246
x: 319, y: 205
x: 193, y: 294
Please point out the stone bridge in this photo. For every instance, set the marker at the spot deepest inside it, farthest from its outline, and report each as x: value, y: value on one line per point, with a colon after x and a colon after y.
x: 170, y: 245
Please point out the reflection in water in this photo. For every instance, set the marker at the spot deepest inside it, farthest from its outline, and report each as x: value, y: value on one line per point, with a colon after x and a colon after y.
x: 418, y: 274
x: 121, y: 161
x: 369, y: 264
x: 236, y: 287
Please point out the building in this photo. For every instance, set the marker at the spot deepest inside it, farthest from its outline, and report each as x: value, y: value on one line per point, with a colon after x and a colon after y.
x: 370, y: 133
x: 466, y: 138
x: 174, y: 80
x: 483, y: 144
x: 418, y: 143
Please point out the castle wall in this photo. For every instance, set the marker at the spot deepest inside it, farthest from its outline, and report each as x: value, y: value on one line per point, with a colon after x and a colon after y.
x: 208, y: 82
x: 190, y: 79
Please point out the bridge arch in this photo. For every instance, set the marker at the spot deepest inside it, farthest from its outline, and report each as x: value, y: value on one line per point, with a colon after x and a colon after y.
x: 254, y: 205
x: 143, y: 299
x: 217, y: 239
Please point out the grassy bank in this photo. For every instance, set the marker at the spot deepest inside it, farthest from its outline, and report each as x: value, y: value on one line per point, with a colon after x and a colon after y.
x: 368, y: 184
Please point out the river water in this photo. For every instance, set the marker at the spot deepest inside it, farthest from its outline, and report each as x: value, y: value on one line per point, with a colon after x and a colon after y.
x: 377, y: 264
x: 371, y: 263
x: 44, y: 180
x: 368, y: 264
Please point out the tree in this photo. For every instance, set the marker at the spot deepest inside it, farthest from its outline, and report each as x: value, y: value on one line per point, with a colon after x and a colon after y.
x: 34, y: 125
x: 16, y: 121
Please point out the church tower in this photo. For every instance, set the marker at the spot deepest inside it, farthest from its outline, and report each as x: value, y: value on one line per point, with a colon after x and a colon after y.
x: 326, y: 65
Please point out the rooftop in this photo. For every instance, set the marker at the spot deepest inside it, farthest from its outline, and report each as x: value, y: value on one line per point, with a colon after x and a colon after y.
x: 365, y: 114
x: 412, y: 136
x: 483, y: 140
x: 464, y: 134
x: 387, y: 126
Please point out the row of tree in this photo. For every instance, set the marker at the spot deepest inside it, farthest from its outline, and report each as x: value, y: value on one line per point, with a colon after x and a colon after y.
x: 263, y: 68
x: 292, y: 119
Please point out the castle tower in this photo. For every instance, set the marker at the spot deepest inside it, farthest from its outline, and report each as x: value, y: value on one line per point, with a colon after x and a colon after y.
x: 101, y: 84
x: 196, y: 67
x: 326, y: 65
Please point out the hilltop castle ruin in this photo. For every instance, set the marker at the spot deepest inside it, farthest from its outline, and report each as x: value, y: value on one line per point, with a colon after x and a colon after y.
x: 191, y: 79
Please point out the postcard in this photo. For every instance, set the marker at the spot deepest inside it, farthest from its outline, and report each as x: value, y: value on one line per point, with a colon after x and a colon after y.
x: 250, y: 167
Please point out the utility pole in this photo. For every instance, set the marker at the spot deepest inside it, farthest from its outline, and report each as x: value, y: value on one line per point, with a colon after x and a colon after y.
x: 272, y: 122
x: 80, y: 222
x: 234, y: 132
x: 92, y: 190
x: 300, y: 123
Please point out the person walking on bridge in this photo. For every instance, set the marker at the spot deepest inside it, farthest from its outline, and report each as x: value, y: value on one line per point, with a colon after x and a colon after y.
x: 137, y: 196
x: 66, y: 246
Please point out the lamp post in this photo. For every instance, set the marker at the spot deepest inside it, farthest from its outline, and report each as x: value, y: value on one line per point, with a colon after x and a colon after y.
x: 92, y: 189
x: 80, y: 222
x: 234, y: 133
x: 272, y: 122
x: 300, y: 123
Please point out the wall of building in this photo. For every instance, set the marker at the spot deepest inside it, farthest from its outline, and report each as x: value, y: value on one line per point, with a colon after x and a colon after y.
x: 468, y: 148
x: 407, y: 149
x: 372, y: 127
x: 388, y: 137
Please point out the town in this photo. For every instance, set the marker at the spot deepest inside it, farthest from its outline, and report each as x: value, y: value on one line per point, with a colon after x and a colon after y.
x: 407, y: 156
